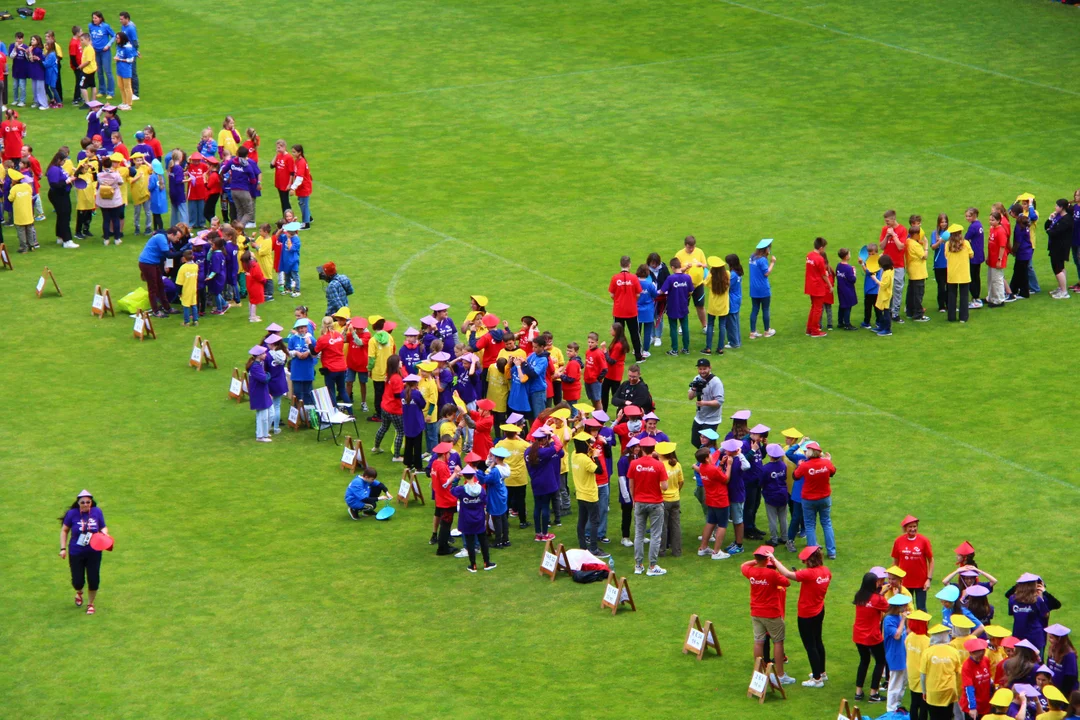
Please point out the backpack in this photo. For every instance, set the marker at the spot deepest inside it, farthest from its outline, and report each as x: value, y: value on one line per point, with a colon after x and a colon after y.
x: 107, y: 192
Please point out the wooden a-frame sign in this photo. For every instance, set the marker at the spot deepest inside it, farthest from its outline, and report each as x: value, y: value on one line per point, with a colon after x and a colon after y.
x: 554, y: 561
x: 349, y: 455
x: 409, y: 485
x: 201, y: 354
x: 700, y: 638
x: 144, y: 326
x: 102, y: 303
x: 762, y: 682
x: 40, y: 289
x: 845, y: 710
x: 297, y: 414
x: 236, y: 385
x: 616, y: 594
x: 5, y: 259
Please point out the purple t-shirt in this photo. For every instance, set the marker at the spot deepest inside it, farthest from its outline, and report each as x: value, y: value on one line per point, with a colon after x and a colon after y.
x: 412, y: 412
x: 278, y: 384
x: 974, y: 235
x: 678, y: 287
x: 1063, y: 669
x: 258, y: 387
x: 177, y: 194
x: 544, y: 474
x: 83, y: 525
x: 845, y: 285
x: 411, y: 357
x: 466, y: 388
x: 1022, y: 249
x: 1029, y: 620
x: 470, y: 519
x: 245, y: 175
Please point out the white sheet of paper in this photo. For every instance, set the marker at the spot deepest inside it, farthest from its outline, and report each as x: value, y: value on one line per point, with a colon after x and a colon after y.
x: 234, y: 389
x: 549, y: 561
x: 139, y: 324
x: 168, y: 264
x: 108, y: 301
x: 711, y: 638
x: 758, y: 682
x: 611, y: 594
x: 40, y: 284
x: 403, y: 489
x: 416, y: 487
x: 245, y: 386
x: 196, y: 354
x: 696, y: 639
x: 348, y: 455
x: 99, y: 302
x: 624, y: 597
x: 4, y: 255
x: 294, y: 413
x: 842, y: 716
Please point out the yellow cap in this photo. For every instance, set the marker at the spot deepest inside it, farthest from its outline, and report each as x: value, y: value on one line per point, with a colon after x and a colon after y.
x: 714, y: 262
x: 939, y: 628
x: 584, y: 408
x: 15, y: 175
x: 481, y: 300
x: 117, y: 157
x: 1025, y: 196
x: 507, y: 427
x: 561, y: 413
x: 791, y: 433
x: 583, y: 436
x: 1052, y: 693
x: 962, y: 621
x: 372, y: 319
x: 894, y: 570
x: 919, y: 615
x: 665, y: 448
x: 955, y: 227
x: 343, y: 313
x: 996, y: 631
x: 427, y: 365
x: 1002, y: 698
x: 137, y: 155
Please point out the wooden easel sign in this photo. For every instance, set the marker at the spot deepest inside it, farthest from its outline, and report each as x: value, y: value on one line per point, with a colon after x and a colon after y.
x: 196, y: 358
x: 297, y: 412
x: 616, y: 594
x: 361, y: 456
x: 700, y: 638
x: 418, y: 494
x: 408, y: 485
x: 144, y: 326
x: 348, y: 455
x: 47, y: 273
x: 208, y: 354
x: 845, y: 710
x: 5, y: 259
x: 102, y: 303
x: 554, y: 561
x: 236, y: 388
x: 762, y: 682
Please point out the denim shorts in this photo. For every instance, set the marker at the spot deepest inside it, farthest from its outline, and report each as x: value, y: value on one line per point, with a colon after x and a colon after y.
x: 716, y: 516
x: 351, y: 375
x: 735, y: 510
x: 592, y: 391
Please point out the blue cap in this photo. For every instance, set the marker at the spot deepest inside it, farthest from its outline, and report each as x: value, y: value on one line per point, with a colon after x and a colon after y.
x: 709, y: 433
x: 501, y: 452
x: 764, y: 243
x: 899, y: 600
x: 949, y: 593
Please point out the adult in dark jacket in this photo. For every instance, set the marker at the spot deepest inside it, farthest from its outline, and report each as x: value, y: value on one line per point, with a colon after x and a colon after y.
x: 338, y: 288
x: 633, y: 391
x: 1059, y: 234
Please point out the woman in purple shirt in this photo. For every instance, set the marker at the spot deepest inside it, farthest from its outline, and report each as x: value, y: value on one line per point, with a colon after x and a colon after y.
x: 60, y: 196
x: 36, y: 72
x: 78, y: 526
x: 259, y: 392
x: 472, y: 500
x: 1030, y: 605
x: 412, y: 420
x: 542, y: 460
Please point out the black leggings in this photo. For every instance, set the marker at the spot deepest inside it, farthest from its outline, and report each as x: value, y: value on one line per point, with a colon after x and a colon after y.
x: 389, y: 419
x: 627, y: 516
x: 1019, y: 283
x: 917, y: 708
x: 82, y: 222
x: 588, y: 522
x: 470, y: 545
x: 378, y: 386
x: 868, y: 307
x: 865, y: 652
x: 413, y: 452
x: 632, y: 330
x: 501, y: 527
x: 210, y: 209
x: 516, y: 498
x: 938, y: 712
x: 810, y: 633
x: 88, y: 564
x: 941, y: 275
x: 607, y: 390
x: 976, y: 281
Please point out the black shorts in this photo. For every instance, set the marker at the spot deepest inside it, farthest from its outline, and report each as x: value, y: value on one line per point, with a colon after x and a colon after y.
x: 87, y: 81
x: 716, y: 516
x: 1058, y: 258
x: 699, y: 295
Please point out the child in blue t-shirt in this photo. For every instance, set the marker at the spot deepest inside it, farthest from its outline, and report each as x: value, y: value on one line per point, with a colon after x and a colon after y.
x: 871, y: 269
x: 761, y: 266
x: 735, y: 270
x: 290, y: 258
x: 894, y: 628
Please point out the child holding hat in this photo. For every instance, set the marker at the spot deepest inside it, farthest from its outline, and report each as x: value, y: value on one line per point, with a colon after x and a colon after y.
x: 518, y: 478
x: 1030, y: 605
x: 472, y: 502
x: 814, y: 582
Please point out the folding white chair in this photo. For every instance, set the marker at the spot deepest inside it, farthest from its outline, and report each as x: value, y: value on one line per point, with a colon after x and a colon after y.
x: 330, y: 416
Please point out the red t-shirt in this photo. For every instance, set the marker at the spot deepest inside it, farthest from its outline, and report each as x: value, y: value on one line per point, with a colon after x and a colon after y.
x: 283, y: 170
x: 253, y: 151
x: 213, y: 183
x: 867, y: 629
x: 999, y: 240
x: 440, y: 473
x: 896, y: 253
x: 976, y: 675
x: 715, y: 481
x: 482, y: 442
x: 616, y: 352
x: 197, y: 188
x: 12, y: 131
x: 391, y: 397
x: 626, y: 287
x: 912, y: 557
x: 622, y: 431
x: 74, y: 53
x: 647, y: 473
x: 571, y: 385
x: 813, y: 584
x: 491, y: 349
x: 815, y: 475
x: 332, y: 349
x: 595, y: 363
x: 300, y: 170
x: 766, y: 597
x: 357, y: 357
x: 815, y: 285
x: 156, y: 145
x: 276, y: 244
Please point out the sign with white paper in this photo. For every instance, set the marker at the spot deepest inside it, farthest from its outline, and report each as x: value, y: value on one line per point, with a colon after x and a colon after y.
x: 758, y: 682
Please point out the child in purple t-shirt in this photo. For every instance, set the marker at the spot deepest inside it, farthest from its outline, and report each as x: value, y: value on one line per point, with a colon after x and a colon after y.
x: 677, y: 288
x: 472, y: 502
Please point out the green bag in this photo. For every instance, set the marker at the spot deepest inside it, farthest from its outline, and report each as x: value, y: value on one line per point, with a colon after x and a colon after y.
x: 138, y: 299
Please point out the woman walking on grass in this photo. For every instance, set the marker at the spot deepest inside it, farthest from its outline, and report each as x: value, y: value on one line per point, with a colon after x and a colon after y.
x: 80, y: 524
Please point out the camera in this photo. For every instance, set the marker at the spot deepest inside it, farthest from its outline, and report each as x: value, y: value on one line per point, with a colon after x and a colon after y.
x: 698, y: 385
x: 322, y: 275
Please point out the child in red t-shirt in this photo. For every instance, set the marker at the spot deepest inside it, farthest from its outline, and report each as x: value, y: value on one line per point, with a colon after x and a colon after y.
x: 997, y: 258
x: 571, y: 375
x: 714, y: 479
x: 596, y: 368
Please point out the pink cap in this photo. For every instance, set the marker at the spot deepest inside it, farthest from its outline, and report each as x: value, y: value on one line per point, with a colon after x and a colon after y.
x: 274, y: 327
x: 272, y: 338
x: 760, y: 429
x: 439, y: 307
x: 731, y: 445
x: 740, y: 415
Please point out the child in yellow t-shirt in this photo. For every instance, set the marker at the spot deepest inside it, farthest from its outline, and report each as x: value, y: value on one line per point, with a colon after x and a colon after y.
x: 139, y: 178
x: 21, y: 197
x: 672, y: 539
x: 585, y: 463
x: 265, y: 257
x: 885, y: 293
x: 915, y: 261
x: 187, y: 279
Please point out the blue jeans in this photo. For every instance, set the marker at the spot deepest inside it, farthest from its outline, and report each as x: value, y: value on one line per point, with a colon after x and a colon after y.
x: 1033, y: 282
x: 275, y: 412
x: 106, y: 84
x: 734, y: 337
x: 305, y: 212
x: 303, y: 390
x: 647, y: 328
x: 20, y: 91
x: 673, y: 330
x: 195, y: 212
x: 292, y: 280
x: 191, y: 314
x: 605, y: 504
x: 542, y: 511
x: 431, y: 434
x: 219, y: 302
x: 761, y: 304
x: 721, y: 325
x: 797, y: 521
x: 262, y: 423
x: 812, y: 509
x: 537, y: 400
x: 179, y: 213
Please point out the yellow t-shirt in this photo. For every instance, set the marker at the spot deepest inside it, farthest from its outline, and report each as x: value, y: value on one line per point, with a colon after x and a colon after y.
x: 225, y: 140
x: 718, y: 305
x: 558, y: 360
x: 884, y: 296
x: 447, y: 427
x: 915, y: 256
x: 430, y: 390
x: 140, y: 185
x: 564, y: 434
x: 1051, y: 715
x: 941, y: 666
x: 498, y: 386
x: 996, y: 656
x: 585, y: 478
x: 88, y: 55
x: 888, y: 592
x: 379, y: 353
x: 674, y: 482
x: 187, y: 277
x: 697, y: 274
x: 264, y: 255
x: 915, y: 645
x: 959, y: 264
x: 518, y: 474
x: 21, y: 196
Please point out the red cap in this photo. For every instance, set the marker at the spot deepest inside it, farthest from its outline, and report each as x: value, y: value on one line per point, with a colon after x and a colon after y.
x: 359, y: 323
x: 330, y: 268
x: 965, y: 549
x: 762, y: 550
x: 812, y: 446
x: 1010, y: 642
x: 490, y: 321
x: 647, y: 441
x: 212, y: 160
x: 631, y: 411
x: 807, y: 551
x: 96, y: 138
x: 485, y: 404
x: 101, y: 541
x: 975, y: 645
x: 389, y: 326
x: 442, y: 448
x: 908, y: 520
x: 473, y: 458
x: 591, y: 422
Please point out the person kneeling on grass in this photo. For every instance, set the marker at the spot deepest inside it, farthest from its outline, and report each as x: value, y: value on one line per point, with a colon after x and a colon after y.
x: 472, y: 500
x: 766, y: 609
x: 364, y: 493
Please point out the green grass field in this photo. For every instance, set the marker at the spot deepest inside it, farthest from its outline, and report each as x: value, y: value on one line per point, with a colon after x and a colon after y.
x: 517, y: 149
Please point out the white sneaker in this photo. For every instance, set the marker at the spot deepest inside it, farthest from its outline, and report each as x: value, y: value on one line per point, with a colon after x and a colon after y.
x: 656, y: 570
x: 770, y: 332
x: 134, y: 97
x: 626, y: 542
x: 118, y: 241
x: 455, y: 533
x: 786, y: 679
x: 249, y: 225
x: 755, y: 335
x: 646, y: 353
x: 638, y: 569
x: 461, y: 553
x: 720, y: 555
x: 104, y: 242
x: 59, y: 241
x: 656, y: 342
x: 812, y: 683
x: 704, y: 551
x: 648, y: 540
x: 1060, y: 296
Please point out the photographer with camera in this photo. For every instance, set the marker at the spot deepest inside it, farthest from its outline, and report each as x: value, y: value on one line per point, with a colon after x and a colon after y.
x: 707, y: 390
x: 338, y: 288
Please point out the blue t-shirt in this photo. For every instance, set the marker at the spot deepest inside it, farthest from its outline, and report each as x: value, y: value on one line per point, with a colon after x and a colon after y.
x: 678, y: 287
x: 302, y: 369
x: 940, y: 263
x: 100, y: 35
x: 759, y: 278
x: 735, y: 294
x: 895, y: 652
x: 869, y: 287
x: 518, y: 397
x: 646, y: 302
x: 132, y: 33
x: 536, y: 369
x: 124, y: 69
x: 974, y: 236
